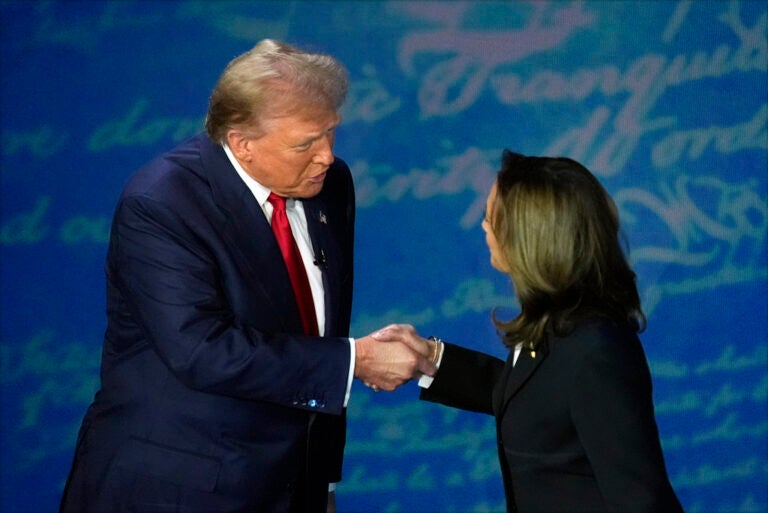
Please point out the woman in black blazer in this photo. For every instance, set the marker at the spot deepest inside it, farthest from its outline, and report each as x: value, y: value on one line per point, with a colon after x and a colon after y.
x: 573, y: 402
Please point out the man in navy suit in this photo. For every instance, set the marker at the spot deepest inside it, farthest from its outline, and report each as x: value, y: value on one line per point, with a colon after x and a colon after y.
x: 215, y: 395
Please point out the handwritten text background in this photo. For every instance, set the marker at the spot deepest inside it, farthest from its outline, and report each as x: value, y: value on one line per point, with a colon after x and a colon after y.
x: 665, y: 101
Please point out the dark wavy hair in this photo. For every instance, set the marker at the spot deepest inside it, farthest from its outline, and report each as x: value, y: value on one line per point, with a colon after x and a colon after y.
x: 558, y: 234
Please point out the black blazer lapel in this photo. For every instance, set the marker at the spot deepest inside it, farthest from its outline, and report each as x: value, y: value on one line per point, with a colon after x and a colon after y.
x: 515, y: 377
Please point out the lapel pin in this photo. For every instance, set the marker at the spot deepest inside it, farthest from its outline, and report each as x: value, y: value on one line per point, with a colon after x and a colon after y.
x: 323, y: 219
x: 533, y: 354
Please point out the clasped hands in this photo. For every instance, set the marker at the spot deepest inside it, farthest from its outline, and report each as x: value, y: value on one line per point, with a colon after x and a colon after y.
x: 393, y: 355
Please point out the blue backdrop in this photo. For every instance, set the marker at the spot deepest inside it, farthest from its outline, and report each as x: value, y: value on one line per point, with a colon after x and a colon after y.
x: 665, y: 101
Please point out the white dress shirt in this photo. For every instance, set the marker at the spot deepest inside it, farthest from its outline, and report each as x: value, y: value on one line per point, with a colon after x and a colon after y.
x: 298, y: 221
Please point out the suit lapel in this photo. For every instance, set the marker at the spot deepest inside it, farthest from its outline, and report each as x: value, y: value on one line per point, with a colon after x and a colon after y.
x: 515, y: 377
x: 249, y: 235
x: 326, y: 253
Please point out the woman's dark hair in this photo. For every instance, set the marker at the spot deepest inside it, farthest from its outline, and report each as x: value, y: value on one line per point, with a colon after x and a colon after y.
x: 558, y: 233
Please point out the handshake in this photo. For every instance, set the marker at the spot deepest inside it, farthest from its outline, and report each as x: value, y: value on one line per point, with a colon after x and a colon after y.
x: 394, y: 355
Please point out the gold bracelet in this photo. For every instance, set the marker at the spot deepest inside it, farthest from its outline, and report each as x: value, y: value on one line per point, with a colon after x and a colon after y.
x: 436, y: 351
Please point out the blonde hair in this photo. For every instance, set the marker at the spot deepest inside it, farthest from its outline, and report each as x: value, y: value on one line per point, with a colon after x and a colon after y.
x: 558, y: 233
x: 271, y: 80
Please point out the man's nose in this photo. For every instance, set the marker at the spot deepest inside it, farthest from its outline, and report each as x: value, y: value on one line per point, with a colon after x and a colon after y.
x: 324, y: 154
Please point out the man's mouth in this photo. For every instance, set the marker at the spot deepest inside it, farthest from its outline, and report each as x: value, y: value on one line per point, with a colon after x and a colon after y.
x: 318, y: 178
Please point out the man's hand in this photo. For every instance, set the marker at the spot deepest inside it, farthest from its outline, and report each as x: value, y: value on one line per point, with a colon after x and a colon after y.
x: 384, y: 363
x: 407, y: 334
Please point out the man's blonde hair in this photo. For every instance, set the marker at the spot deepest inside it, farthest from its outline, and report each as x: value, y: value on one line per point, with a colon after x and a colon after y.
x: 270, y: 80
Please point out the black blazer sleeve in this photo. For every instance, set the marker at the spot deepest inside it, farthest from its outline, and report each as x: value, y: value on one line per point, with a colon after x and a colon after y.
x: 465, y: 379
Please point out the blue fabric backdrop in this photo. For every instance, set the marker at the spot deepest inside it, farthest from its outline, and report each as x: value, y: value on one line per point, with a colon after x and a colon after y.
x: 665, y: 101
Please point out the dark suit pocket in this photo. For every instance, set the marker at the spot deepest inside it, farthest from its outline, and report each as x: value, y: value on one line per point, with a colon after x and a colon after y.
x: 183, y: 468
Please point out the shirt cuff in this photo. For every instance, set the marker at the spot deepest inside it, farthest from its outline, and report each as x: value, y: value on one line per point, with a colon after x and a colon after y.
x: 351, y: 370
x: 426, y: 381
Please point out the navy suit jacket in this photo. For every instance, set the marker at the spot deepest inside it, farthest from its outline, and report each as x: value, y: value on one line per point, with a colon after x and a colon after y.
x: 211, y: 398
x: 575, y: 423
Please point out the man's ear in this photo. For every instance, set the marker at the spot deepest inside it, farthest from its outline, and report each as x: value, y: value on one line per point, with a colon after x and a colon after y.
x: 240, y: 145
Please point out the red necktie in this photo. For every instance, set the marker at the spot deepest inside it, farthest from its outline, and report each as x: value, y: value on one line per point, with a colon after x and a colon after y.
x: 294, y: 263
